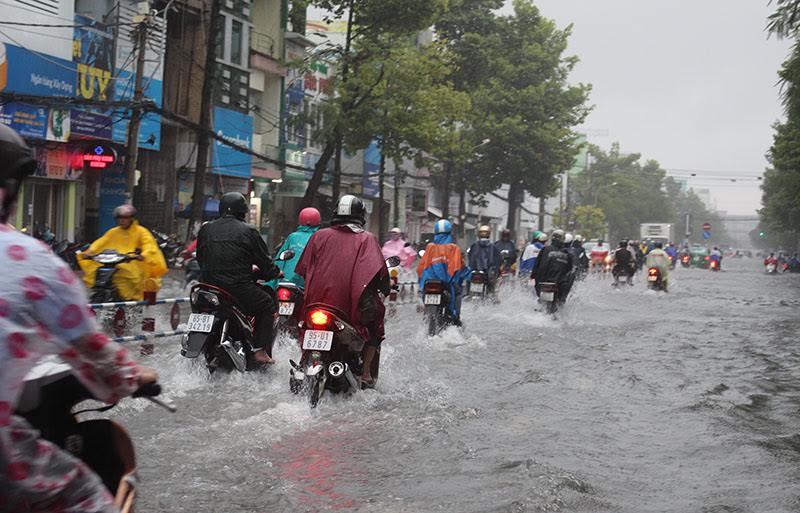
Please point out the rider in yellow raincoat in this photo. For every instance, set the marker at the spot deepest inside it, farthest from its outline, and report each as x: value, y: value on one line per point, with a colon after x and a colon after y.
x: 128, y: 237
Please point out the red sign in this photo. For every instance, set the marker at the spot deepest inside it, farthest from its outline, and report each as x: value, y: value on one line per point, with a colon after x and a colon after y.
x: 706, y: 226
x: 98, y: 156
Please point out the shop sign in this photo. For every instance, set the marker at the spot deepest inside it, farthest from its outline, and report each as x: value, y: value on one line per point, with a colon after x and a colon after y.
x: 90, y: 124
x: 238, y: 129
x: 93, y: 53
x: 58, y: 125
x: 28, y: 120
x: 98, y: 156
x: 372, y: 166
x: 22, y: 71
x: 61, y: 163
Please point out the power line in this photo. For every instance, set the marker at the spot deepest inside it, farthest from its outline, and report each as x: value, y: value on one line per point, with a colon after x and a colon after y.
x: 73, y: 26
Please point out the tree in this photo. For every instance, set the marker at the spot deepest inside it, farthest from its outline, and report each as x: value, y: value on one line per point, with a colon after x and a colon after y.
x: 373, y: 25
x: 590, y: 222
x: 526, y: 107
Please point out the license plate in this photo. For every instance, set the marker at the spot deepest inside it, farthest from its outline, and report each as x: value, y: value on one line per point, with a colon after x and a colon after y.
x: 478, y: 288
x: 318, y: 340
x: 433, y: 299
x: 548, y: 296
x: 200, y: 322
x: 285, y: 309
x: 652, y: 278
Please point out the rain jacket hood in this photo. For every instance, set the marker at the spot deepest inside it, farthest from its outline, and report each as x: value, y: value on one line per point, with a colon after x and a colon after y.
x: 338, y: 264
x: 131, y: 276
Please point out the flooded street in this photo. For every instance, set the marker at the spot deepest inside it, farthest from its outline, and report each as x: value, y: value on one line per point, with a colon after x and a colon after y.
x: 630, y: 401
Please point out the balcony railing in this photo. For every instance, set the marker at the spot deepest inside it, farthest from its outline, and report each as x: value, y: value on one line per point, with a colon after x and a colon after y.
x: 263, y: 43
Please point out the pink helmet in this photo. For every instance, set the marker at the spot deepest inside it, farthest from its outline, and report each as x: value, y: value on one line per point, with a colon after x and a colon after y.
x: 309, y: 217
x: 125, y: 210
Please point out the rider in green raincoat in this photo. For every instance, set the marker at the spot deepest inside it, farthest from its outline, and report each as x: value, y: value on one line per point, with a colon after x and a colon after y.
x: 308, y: 223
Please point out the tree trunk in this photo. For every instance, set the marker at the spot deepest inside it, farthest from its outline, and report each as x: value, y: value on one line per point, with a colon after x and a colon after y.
x: 513, y: 205
x: 337, y: 171
x: 446, y: 190
x: 382, y: 230
x: 396, y: 199
x: 319, y: 172
x: 541, y: 214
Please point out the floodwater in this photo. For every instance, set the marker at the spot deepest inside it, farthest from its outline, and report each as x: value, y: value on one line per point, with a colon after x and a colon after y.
x: 629, y: 401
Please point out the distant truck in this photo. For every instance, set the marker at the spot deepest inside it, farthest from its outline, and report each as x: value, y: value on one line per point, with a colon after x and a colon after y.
x: 658, y: 232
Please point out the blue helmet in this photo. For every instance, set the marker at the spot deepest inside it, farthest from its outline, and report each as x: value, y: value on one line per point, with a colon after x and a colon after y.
x: 442, y: 226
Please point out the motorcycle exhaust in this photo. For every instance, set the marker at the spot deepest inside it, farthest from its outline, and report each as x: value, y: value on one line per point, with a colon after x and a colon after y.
x: 341, y: 375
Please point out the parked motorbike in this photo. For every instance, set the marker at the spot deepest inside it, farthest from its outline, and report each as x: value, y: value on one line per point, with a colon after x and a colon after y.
x: 50, y: 394
x: 331, y: 353
x: 67, y: 250
x: 104, y: 290
x: 218, y: 330
x: 654, y: 279
x: 170, y: 247
x: 549, y: 297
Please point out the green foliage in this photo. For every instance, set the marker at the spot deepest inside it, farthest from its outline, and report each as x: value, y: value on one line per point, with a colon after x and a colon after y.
x: 590, y: 222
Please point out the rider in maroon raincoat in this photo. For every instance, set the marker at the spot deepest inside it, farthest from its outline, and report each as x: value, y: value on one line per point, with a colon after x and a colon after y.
x: 344, y: 268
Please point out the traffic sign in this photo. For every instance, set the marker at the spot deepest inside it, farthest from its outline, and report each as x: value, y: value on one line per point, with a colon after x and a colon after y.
x: 707, y: 227
x: 706, y: 235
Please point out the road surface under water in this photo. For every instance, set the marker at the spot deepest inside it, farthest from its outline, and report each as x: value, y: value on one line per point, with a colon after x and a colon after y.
x: 630, y: 401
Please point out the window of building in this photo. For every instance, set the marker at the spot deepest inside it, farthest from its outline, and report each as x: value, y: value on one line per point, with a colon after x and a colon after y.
x: 237, y: 31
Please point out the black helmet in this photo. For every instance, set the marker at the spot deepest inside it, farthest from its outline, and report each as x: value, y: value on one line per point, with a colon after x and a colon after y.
x: 623, y: 243
x: 350, y: 209
x: 16, y: 162
x: 233, y: 204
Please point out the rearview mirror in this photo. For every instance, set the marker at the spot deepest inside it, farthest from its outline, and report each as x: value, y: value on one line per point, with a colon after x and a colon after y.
x: 393, y: 261
x: 286, y: 255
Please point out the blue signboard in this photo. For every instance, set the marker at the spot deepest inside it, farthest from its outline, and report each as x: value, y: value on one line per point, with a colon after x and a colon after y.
x: 30, y: 72
x: 706, y: 235
x: 90, y: 124
x: 372, y: 166
x: 112, y: 195
x: 29, y: 120
x: 237, y: 128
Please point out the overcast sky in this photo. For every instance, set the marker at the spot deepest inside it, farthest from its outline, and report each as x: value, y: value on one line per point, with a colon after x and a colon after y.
x: 690, y: 83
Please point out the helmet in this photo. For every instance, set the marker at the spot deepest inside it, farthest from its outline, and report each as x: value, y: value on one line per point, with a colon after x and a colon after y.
x: 535, y: 235
x: 542, y: 237
x: 623, y: 243
x: 309, y: 217
x: 349, y: 209
x: 568, y: 238
x: 484, y: 231
x: 233, y: 204
x: 125, y: 210
x: 506, y: 233
x: 442, y: 226
x: 557, y: 236
x: 578, y: 238
x: 16, y: 162
x: 396, y: 230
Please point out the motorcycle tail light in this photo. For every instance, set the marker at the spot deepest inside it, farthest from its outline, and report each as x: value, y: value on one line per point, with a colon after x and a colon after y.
x: 319, y: 318
x: 477, y: 278
x: 652, y: 271
x: 708, y: 258
x: 433, y: 288
x: 284, y: 294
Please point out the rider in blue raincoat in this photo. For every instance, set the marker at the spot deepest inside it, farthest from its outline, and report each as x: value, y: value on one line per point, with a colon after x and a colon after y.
x: 443, y: 261
x: 308, y: 223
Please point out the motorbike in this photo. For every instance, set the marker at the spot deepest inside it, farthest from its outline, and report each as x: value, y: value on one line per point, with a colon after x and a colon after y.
x: 771, y: 268
x: 67, y: 250
x: 673, y: 262
x: 686, y: 261
x: 548, y: 297
x: 104, y: 290
x: 219, y: 331
x: 623, y: 273
x: 170, y: 247
x: 331, y: 353
x: 479, y: 285
x: 436, y: 301
x: 290, y: 307
x: 49, y: 396
x: 654, y: 280
x: 714, y: 264
x: 191, y: 270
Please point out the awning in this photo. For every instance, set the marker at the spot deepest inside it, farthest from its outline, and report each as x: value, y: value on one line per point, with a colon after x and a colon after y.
x: 435, y: 211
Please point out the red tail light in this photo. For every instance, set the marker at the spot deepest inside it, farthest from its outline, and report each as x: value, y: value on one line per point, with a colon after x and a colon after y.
x: 714, y: 263
x: 319, y: 318
x: 477, y: 278
x: 284, y: 294
x: 652, y: 271
x: 686, y: 259
x: 433, y: 288
x: 708, y: 258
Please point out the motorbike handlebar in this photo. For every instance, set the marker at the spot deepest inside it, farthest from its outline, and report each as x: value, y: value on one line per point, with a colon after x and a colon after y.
x: 149, y: 390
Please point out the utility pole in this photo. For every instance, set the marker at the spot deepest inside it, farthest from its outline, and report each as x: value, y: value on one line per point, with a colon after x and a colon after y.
x: 382, y: 230
x: 203, y: 139
x: 396, y: 198
x: 446, y: 191
x: 136, y: 113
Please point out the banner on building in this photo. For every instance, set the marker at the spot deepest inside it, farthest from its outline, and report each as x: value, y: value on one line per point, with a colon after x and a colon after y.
x: 29, y: 120
x: 26, y: 72
x: 372, y: 166
x: 237, y: 128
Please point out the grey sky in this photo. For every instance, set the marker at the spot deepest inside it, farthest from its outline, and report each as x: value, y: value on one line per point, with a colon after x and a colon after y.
x: 690, y: 83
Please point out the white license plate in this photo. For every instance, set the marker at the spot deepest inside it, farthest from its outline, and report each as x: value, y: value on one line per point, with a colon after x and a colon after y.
x: 548, y: 296
x: 285, y: 308
x: 200, y: 322
x: 433, y: 299
x: 477, y: 288
x: 652, y: 278
x: 318, y: 340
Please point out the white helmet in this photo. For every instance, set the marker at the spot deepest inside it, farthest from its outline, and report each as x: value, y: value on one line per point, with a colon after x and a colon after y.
x: 568, y: 238
x: 579, y: 238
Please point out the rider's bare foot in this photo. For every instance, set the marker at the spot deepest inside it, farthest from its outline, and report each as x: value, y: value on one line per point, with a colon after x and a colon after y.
x: 263, y: 357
